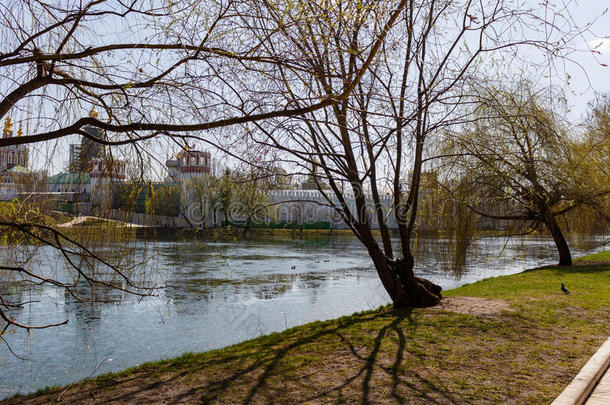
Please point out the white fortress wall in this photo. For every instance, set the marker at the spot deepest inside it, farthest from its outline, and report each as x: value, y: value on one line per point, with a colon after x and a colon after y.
x: 310, y: 206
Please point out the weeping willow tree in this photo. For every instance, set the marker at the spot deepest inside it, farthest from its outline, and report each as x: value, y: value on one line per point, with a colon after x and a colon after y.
x: 521, y: 165
x: 447, y: 217
x: 592, y: 176
x: 41, y: 247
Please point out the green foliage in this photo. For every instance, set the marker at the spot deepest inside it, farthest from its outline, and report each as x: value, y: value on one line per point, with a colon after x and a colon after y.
x: 163, y: 199
x: 21, y: 214
x: 518, y: 166
x: 250, y: 197
x: 129, y: 196
x: 225, y: 192
x: 590, y: 174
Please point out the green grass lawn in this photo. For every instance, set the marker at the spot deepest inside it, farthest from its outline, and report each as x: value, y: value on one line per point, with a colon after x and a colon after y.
x: 601, y: 257
x: 525, y: 355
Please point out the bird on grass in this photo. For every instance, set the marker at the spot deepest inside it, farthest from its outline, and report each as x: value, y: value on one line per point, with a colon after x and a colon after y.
x: 564, y: 289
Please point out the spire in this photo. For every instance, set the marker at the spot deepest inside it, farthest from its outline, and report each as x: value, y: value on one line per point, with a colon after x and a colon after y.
x: 93, y: 113
x: 20, y: 130
x: 8, y: 128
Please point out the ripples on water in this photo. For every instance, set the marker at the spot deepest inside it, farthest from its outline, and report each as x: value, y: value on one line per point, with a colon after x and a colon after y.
x: 220, y: 293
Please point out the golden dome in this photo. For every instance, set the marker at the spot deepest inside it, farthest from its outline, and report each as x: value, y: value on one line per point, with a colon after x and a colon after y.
x: 93, y: 113
x: 8, y: 127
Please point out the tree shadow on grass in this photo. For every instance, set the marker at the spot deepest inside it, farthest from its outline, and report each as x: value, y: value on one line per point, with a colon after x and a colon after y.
x: 214, y: 390
x: 362, y: 373
x: 253, y: 377
x: 394, y: 371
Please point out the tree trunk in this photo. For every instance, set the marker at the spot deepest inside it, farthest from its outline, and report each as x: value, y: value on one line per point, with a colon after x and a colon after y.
x: 247, y: 226
x: 565, y: 257
x: 404, y: 288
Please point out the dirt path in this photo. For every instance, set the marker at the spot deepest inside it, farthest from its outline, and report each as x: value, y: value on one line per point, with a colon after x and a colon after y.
x: 81, y: 219
x: 473, y: 306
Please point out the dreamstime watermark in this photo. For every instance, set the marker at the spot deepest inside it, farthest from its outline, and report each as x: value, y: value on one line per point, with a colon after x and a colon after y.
x: 289, y: 212
x: 378, y: 297
x: 239, y: 315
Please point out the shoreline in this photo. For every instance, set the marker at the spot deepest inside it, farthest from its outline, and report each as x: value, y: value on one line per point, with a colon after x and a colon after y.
x: 308, y: 347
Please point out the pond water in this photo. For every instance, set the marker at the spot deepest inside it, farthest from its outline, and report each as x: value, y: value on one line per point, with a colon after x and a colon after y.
x: 219, y: 293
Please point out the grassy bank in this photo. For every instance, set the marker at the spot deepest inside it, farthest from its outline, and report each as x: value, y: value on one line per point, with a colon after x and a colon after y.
x: 521, y: 342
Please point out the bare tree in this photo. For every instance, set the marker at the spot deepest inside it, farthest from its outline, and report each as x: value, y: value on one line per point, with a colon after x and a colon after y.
x: 195, y: 67
x: 376, y: 141
x: 175, y: 70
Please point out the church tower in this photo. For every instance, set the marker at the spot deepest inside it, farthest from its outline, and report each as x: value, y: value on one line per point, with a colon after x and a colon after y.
x: 13, y: 155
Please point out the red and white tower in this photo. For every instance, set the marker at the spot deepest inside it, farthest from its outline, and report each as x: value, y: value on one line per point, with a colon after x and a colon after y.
x: 189, y: 164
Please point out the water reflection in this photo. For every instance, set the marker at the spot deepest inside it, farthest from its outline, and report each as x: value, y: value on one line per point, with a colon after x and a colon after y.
x: 218, y: 293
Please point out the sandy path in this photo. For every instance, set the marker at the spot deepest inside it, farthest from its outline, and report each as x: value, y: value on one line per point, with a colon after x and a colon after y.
x: 79, y: 220
x: 473, y: 306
